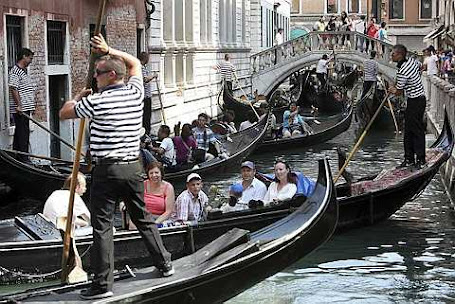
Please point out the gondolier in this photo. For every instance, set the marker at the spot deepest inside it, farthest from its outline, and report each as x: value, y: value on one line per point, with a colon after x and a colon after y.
x: 370, y: 73
x: 409, y: 82
x: 22, y: 100
x: 227, y: 71
x: 116, y: 118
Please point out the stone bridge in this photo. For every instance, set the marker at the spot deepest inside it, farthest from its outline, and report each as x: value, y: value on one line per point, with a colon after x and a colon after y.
x: 272, y: 66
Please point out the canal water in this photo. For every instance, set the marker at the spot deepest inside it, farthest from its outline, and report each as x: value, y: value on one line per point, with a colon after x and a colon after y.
x: 406, y: 259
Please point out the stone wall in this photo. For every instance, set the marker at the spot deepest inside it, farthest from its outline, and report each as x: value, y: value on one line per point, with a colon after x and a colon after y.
x: 441, y: 97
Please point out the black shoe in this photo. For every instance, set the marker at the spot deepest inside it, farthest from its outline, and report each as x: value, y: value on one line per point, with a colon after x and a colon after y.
x: 419, y: 164
x: 406, y: 163
x: 95, y: 293
x: 167, y: 269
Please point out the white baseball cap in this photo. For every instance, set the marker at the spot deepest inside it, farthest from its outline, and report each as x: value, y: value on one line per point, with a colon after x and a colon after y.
x: 193, y: 176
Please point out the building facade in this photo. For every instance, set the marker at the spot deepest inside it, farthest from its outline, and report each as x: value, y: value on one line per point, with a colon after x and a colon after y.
x: 443, y: 34
x: 186, y: 38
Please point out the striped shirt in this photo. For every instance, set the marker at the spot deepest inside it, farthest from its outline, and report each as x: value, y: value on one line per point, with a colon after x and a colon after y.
x: 189, y: 207
x: 226, y: 69
x: 147, y: 85
x: 370, y: 70
x: 409, y: 78
x: 21, y: 81
x: 116, y: 119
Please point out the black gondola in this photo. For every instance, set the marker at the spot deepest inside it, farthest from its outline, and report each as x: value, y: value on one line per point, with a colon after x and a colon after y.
x: 326, y: 130
x: 40, y: 180
x: 211, y: 275
x: 362, y: 203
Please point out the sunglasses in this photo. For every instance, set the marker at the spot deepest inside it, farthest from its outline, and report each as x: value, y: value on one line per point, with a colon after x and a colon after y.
x: 100, y: 72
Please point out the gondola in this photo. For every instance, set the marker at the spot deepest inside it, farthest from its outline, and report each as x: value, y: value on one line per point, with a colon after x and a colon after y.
x: 363, y: 202
x: 39, y: 181
x: 212, y: 274
x: 321, y: 133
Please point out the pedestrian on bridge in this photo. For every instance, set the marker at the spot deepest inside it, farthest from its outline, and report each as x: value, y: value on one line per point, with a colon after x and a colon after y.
x: 409, y: 82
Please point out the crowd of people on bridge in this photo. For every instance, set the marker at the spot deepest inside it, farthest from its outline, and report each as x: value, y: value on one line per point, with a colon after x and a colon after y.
x: 351, y: 23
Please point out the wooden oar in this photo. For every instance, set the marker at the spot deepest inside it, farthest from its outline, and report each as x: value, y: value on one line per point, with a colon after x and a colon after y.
x: 163, y: 117
x: 50, y: 132
x: 249, y: 102
x: 392, y: 112
x: 356, y: 146
x: 69, y: 223
x: 38, y: 156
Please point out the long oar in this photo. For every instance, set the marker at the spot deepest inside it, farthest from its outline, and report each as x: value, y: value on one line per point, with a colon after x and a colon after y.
x: 69, y: 221
x: 392, y: 112
x: 249, y: 102
x: 356, y: 146
x: 37, y: 156
x: 163, y: 117
x: 50, y: 132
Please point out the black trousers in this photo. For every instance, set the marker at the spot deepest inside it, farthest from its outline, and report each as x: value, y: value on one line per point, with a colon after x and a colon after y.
x: 110, y: 184
x: 322, y: 79
x: 366, y: 87
x: 147, y: 116
x: 414, y: 129
x: 228, y: 86
x: 21, y: 139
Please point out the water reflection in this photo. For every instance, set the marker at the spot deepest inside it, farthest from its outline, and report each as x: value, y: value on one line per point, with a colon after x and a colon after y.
x: 406, y: 259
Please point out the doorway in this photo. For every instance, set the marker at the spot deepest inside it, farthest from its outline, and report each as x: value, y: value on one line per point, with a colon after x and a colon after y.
x: 58, y: 88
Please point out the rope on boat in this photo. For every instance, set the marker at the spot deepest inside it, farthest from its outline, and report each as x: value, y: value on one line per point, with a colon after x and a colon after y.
x: 31, y: 276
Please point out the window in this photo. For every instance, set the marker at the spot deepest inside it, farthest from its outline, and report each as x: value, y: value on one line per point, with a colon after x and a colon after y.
x: 396, y: 9
x: 56, y: 31
x: 353, y: 6
x: 295, y: 6
x: 332, y: 6
x: 14, y: 38
x: 425, y: 9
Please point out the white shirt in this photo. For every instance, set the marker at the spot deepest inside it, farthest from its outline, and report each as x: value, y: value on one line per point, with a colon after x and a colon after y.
x: 57, y: 205
x: 322, y: 66
x: 359, y: 26
x: 431, y: 62
x: 169, y: 152
x: 278, y: 39
x: 286, y: 192
x: 255, y: 191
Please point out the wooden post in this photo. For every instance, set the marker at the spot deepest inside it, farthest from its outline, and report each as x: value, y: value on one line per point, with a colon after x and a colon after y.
x: 69, y: 223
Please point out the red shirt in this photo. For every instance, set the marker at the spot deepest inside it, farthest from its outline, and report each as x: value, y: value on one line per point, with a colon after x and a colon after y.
x: 372, y: 30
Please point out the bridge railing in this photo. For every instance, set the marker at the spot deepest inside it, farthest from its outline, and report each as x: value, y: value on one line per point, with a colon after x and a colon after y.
x: 320, y: 42
x: 441, y: 94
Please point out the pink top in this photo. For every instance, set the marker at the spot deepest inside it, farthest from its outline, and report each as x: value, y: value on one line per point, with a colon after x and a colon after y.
x: 155, y: 203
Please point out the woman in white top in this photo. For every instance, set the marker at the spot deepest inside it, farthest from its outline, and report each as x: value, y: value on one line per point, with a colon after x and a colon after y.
x: 284, y: 186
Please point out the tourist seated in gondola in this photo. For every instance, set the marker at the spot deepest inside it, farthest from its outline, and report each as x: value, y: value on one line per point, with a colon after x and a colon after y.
x: 159, y: 195
x: 56, y: 205
x: 204, y: 137
x: 166, y: 151
x: 228, y: 120
x: 293, y: 123
x: 284, y: 185
x: 251, y: 120
x: 184, y: 144
x: 191, y: 204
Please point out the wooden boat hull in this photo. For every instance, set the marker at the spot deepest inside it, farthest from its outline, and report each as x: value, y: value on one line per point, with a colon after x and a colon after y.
x: 308, y: 140
x: 268, y: 251
x: 41, y: 181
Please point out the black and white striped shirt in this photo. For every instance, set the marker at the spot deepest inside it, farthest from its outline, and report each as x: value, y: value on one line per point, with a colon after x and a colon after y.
x: 226, y: 69
x: 116, y: 119
x: 21, y: 81
x: 409, y: 78
x: 370, y: 70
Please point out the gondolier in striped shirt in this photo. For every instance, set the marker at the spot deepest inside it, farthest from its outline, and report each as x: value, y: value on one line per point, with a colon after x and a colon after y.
x: 22, y: 100
x: 227, y: 72
x: 370, y: 73
x: 116, y: 118
x: 409, y: 82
